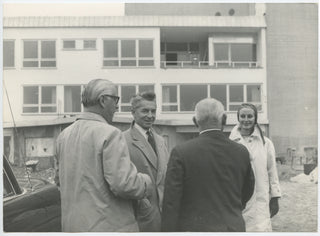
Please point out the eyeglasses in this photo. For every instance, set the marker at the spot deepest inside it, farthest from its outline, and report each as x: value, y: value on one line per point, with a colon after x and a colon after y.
x: 115, y: 98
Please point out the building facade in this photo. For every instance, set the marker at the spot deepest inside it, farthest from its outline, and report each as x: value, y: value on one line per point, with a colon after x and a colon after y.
x: 182, y: 52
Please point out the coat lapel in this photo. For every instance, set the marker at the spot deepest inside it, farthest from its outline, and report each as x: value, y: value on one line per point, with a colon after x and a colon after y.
x: 162, y: 158
x: 140, y: 142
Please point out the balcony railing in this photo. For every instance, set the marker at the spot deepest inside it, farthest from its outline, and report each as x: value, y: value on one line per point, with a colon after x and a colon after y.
x: 205, y: 64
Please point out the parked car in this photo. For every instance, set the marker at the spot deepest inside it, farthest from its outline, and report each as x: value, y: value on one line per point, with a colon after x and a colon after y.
x: 29, y: 206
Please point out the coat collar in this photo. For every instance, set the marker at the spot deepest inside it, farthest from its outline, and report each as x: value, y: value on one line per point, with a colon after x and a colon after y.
x: 139, y: 141
x: 91, y: 116
x: 212, y: 133
x: 235, y: 134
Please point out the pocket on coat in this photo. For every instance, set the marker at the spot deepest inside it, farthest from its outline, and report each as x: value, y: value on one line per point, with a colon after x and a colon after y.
x: 144, y: 207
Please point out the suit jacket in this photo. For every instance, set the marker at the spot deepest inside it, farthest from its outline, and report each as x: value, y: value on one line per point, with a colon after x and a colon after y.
x: 209, y: 179
x: 148, y: 210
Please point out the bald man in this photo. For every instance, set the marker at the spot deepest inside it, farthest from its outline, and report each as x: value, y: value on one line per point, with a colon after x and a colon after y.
x: 209, y: 178
x: 97, y: 179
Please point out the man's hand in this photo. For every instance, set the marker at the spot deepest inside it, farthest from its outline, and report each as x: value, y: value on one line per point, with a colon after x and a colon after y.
x: 273, y: 206
x: 148, y: 186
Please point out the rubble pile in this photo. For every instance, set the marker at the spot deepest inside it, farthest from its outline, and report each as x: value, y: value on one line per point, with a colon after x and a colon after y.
x: 303, y: 178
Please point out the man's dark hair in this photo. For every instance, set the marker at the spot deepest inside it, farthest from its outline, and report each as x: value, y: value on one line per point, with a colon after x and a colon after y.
x: 147, y: 95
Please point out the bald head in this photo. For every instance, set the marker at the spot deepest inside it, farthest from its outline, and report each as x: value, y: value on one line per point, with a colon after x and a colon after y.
x: 209, y: 113
x: 94, y: 89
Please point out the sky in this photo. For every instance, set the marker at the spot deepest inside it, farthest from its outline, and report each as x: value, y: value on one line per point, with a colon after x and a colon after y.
x: 63, y: 9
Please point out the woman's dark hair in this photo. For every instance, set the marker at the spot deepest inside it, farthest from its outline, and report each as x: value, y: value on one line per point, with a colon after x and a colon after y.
x: 255, y: 110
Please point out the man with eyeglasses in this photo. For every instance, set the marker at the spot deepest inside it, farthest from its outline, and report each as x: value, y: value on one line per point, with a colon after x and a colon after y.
x: 97, y: 179
x: 150, y: 155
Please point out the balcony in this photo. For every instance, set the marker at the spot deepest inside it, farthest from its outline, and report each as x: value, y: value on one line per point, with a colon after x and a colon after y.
x: 206, y: 64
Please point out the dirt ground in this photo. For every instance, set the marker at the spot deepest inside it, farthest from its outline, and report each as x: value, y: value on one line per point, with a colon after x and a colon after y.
x: 298, y: 205
x: 298, y: 208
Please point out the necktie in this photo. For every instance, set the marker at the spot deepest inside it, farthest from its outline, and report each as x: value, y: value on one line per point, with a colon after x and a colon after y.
x: 151, y: 141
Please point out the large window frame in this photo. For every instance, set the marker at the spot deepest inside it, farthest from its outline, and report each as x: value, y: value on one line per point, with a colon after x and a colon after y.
x: 120, y: 60
x: 39, y: 104
x: 40, y: 60
x: 6, y: 63
x: 225, y: 48
x: 229, y: 62
x: 230, y: 104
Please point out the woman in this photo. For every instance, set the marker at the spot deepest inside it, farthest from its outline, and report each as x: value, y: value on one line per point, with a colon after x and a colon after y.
x: 259, y: 209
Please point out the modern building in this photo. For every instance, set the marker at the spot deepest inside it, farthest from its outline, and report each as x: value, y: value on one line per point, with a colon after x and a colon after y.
x: 248, y: 52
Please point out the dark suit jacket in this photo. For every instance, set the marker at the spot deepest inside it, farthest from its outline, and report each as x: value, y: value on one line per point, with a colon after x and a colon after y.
x: 209, y: 179
x: 148, y: 211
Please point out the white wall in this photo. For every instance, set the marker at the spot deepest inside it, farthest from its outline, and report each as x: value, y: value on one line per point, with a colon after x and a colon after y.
x: 78, y: 67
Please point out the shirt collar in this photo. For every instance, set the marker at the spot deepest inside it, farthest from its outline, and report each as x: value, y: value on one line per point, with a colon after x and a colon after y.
x: 141, y: 130
x: 207, y: 130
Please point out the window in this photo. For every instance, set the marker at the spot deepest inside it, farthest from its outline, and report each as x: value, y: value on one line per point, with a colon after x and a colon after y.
x: 169, y: 98
x: 128, y: 91
x: 182, y: 98
x: 8, y: 53
x: 128, y: 53
x: 219, y: 92
x: 39, y: 53
x: 39, y: 99
x: 177, y: 98
x: 190, y: 95
x: 236, y: 97
x: 69, y: 44
x: 235, y: 54
x: 110, y: 53
x: 254, y: 95
x: 79, y: 44
x: 72, y: 99
x: 145, y: 53
x: 89, y: 44
x: 8, y: 190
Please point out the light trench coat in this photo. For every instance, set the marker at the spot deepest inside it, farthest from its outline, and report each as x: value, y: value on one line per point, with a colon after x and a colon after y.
x: 97, y: 178
x: 263, y: 161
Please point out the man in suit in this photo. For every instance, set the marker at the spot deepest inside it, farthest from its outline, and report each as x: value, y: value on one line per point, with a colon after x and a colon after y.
x: 209, y: 178
x: 150, y: 155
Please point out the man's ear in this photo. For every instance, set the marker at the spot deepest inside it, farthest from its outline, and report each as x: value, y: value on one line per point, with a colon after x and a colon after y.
x: 101, y: 101
x: 195, y: 121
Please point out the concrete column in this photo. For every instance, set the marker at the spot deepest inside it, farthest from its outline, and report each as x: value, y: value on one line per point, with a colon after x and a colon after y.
x: 210, y: 51
x: 263, y: 47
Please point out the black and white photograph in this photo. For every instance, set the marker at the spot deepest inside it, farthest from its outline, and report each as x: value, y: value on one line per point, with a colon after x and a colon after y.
x: 159, y: 116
